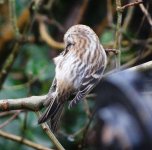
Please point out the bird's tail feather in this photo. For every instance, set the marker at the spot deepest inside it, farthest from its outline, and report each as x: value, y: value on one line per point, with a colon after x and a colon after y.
x: 45, y: 116
x: 54, y: 121
x: 52, y: 115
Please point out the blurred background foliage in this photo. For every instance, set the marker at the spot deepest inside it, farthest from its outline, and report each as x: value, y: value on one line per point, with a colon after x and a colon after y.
x: 32, y: 70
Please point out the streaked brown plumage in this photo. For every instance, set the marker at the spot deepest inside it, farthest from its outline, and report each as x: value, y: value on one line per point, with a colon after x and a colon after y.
x: 78, y: 70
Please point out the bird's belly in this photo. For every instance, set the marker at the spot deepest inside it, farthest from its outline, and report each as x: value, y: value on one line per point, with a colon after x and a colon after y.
x: 63, y: 73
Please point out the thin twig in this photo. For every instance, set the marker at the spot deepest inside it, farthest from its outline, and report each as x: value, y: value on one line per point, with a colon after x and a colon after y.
x: 47, y: 38
x: 118, y: 33
x: 144, y: 10
x: 22, y: 140
x: 78, y: 132
x: 11, y: 58
x: 8, y: 64
x: 50, y: 134
x: 7, y: 113
x: 134, y: 60
x: 12, y: 11
x: 128, y: 18
x: 130, y: 4
x: 49, y: 21
x: 109, y: 12
x: 120, y: 9
x: 10, y: 119
x: 8, y: 34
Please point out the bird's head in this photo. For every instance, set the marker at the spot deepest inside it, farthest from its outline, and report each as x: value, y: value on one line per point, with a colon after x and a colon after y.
x: 78, y: 35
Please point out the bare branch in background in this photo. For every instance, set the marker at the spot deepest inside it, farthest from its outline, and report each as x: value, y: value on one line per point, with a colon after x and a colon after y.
x: 144, y: 10
x: 22, y: 140
x: 13, y: 17
x: 11, y: 58
x: 47, y: 38
x: 117, y: 44
x: 118, y: 37
x: 50, y: 134
x: 130, y: 4
x: 7, y: 34
x: 10, y: 119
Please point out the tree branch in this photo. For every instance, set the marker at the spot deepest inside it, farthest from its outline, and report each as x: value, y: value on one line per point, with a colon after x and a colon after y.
x: 4, y: 124
x: 35, y: 103
x: 13, y: 18
x: 144, y: 10
x: 130, y: 4
x: 47, y: 38
x: 117, y: 44
x: 55, y: 141
x: 22, y: 140
x: 14, y: 53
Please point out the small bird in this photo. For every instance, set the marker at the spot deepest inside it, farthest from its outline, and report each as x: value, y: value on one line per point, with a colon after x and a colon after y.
x: 79, y: 69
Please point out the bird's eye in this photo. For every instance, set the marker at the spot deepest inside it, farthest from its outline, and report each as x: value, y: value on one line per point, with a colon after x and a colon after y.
x: 66, y: 49
x: 68, y: 45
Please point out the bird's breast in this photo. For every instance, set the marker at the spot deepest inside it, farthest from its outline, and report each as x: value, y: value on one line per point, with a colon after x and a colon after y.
x: 67, y: 71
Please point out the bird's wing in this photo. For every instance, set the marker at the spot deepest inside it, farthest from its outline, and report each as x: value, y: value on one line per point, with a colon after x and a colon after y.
x: 54, y: 109
x: 88, y: 83
x: 50, y: 93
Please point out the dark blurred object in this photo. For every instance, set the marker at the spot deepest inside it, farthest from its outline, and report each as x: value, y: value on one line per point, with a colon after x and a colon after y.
x: 124, y: 103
